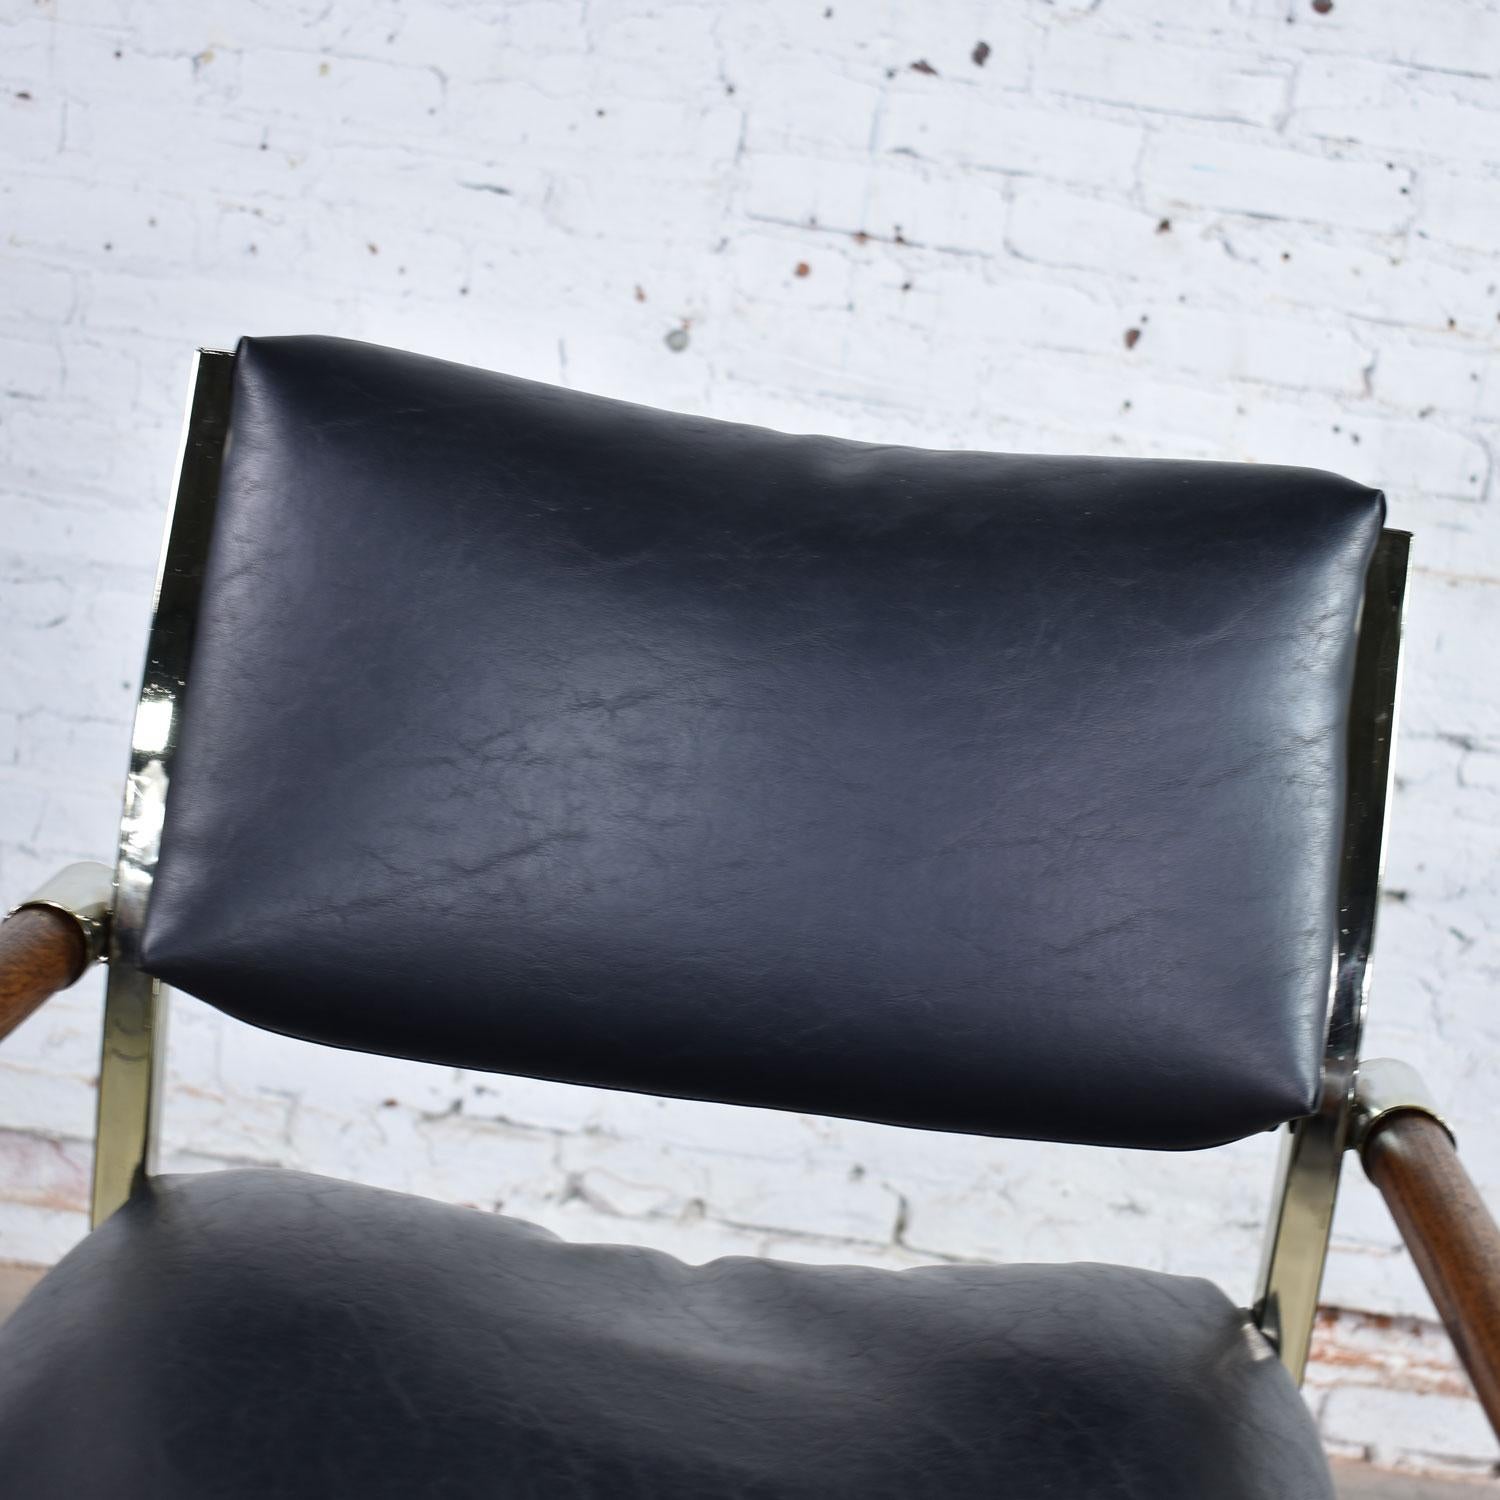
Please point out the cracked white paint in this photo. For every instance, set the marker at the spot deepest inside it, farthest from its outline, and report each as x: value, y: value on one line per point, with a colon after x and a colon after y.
x: 769, y: 212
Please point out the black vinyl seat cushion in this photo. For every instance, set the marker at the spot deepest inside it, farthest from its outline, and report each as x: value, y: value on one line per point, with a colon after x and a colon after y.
x: 264, y: 1335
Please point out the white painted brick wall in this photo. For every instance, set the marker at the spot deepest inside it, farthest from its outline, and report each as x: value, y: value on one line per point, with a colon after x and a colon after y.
x: 848, y: 223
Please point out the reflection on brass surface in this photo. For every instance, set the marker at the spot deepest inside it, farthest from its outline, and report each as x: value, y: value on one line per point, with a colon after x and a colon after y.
x: 1307, y: 1178
x: 134, y: 1005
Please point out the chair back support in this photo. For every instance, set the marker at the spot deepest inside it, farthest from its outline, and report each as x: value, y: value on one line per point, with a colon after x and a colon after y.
x: 536, y: 732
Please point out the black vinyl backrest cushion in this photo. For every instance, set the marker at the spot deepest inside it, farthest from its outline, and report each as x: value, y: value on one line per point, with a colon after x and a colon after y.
x: 537, y: 732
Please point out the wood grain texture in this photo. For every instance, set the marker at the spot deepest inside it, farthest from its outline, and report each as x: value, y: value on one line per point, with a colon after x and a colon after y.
x: 1451, y: 1236
x: 41, y: 952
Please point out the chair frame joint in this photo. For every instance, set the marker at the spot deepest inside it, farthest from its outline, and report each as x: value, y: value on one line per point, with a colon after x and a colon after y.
x: 84, y: 892
x: 1384, y: 1087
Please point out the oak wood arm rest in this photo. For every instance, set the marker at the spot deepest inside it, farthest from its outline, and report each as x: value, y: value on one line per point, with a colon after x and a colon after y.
x: 1410, y: 1156
x: 49, y: 940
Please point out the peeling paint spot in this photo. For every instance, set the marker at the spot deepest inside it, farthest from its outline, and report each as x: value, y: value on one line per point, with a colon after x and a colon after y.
x: 1322, y: 6
x: 803, y: 269
x: 1132, y: 337
x: 980, y: 54
x: 1165, y: 227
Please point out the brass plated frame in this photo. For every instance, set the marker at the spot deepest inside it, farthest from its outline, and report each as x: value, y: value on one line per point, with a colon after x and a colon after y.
x: 135, y: 1012
x: 1307, y: 1179
x: 1297, y: 1238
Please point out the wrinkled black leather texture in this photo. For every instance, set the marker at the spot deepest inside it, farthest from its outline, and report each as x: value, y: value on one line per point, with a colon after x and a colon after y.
x: 258, y: 1335
x: 548, y: 734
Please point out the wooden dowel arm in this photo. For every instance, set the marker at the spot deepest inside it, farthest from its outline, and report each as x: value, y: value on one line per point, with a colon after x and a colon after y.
x: 48, y: 941
x: 1410, y: 1156
x: 41, y: 952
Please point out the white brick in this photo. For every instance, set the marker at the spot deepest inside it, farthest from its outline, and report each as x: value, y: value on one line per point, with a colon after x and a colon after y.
x: 1207, y: 172
x: 479, y: 1164
x: 212, y: 312
x: 36, y: 296
x: 38, y: 1236
x: 1074, y: 229
x: 1428, y: 377
x: 1155, y: 76
x: 804, y: 105
x: 1381, y: 106
x: 1248, y: 262
x: 1451, y: 36
x: 356, y: 97
x: 923, y: 208
x: 1395, y: 1425
x: 130, y: 225
x: 1250, y: 346
x: 1109, y: 397
x: 33, y: 124
x: 801, y: 1199
x: 44, y: 1174
x: 1398, y: 454
x: 1460, y: 208
x: 1194, y: 19
x: 51, y: 1101
x: 998, y: 133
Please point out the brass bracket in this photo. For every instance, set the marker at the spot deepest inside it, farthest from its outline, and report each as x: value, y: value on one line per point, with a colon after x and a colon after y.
x: 1386, y: 1086
x: 86, y: 893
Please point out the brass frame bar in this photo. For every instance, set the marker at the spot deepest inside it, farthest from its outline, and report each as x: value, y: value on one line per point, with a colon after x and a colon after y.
x: 134, y: 1004
x: 1307, y: 1178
